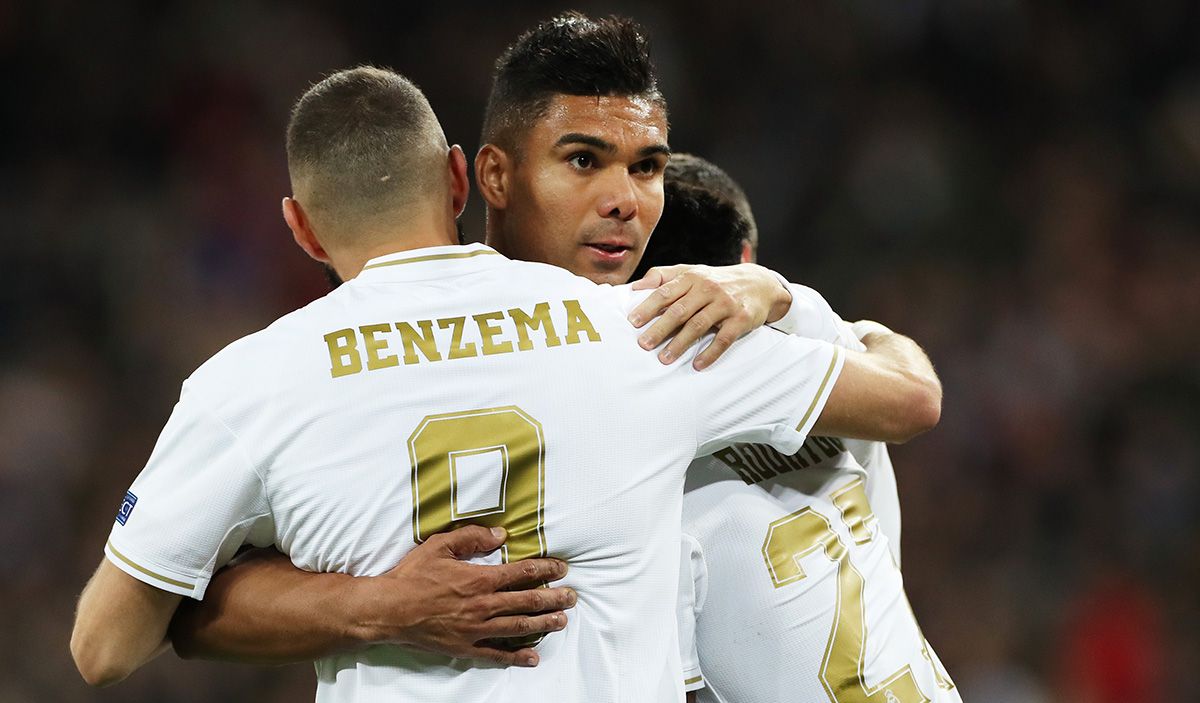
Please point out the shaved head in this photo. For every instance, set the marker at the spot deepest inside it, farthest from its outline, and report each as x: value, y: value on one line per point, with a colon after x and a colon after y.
x: 363, y: 146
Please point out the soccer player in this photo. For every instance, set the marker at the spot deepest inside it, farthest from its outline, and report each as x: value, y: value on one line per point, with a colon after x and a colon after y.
x: 445, y: 384
x: 559, y: 190
x: 707, y: 220
x: 787, y: 587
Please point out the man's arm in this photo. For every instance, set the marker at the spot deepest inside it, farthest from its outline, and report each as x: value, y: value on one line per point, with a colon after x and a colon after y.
x: 120, y: 624
x: 261, y: 609
x: 888, y: 393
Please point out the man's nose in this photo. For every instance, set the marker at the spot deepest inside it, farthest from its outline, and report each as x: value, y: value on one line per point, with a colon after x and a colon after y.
x: 620, y: 198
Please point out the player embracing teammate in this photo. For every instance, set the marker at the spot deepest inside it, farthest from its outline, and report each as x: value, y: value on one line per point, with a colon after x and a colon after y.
x: 572, y: 171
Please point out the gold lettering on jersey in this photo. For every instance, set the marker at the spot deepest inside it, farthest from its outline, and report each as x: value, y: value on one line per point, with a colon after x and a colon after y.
x: 343, y: 353
x: 755, y: 463
x: 801, y: 533
x: 423, y: 341
x: 577, y: 321
x: 457, y: 350
x: 495, y: 335
x: 373, y: 346
x: 856, y: 510
x: 842, y: 670
x: 488, y: 331
x: 526, y: 323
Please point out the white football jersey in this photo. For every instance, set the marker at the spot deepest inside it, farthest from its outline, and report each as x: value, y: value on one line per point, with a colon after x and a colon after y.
x: 448, y: 386
x: 810, y: 316
x: 793, y: 591
x: 790, y: 587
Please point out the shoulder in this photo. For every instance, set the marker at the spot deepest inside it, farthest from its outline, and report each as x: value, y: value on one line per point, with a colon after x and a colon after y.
x: 257, y: 362
x: 609, y: 305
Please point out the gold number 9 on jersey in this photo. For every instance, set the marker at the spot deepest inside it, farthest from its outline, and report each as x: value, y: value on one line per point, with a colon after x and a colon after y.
x: 500, y: 448
x: 481, y: 467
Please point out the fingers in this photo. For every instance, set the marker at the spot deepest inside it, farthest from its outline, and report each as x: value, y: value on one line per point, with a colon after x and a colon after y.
x: 693, y: 329
x: 657, y: 276
x: 725, y: 337
x: 528, y: 573
x: 667, y: 292
x: 526, y: 657
x: 534, y: 600
x: 683, y: 317
x: 522, y: 625
x: 468, y: 541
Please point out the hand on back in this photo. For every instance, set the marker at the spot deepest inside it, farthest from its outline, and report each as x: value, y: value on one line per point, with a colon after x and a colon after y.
x: 690, y: 301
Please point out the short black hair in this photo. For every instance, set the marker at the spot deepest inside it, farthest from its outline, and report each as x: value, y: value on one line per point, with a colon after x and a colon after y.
x: 571, y: 54
x: 706, y: 218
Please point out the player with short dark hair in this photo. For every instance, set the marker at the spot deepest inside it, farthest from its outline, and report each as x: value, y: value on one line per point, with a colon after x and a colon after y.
x: 605, y: 152
x: 588, y: 169
x: 554, y: 89
x: 741, y: 509
x: 500, y: 374
x: 706, y: 219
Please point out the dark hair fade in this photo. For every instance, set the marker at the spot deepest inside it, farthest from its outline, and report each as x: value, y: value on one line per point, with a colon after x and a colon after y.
x: 571, y: 54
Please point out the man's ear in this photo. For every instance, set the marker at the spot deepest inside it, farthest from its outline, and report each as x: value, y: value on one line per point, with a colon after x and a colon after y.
x: 747, y: 252
x: 492, y: 166
x: 460, y: 185
x: 297, y: 221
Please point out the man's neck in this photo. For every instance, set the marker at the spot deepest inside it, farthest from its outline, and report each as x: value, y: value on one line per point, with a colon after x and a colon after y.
x: 493, y: 232
x: 350, y: 262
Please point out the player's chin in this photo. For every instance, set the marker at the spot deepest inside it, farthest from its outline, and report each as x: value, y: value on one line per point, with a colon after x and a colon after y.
x: 607, y: 270
x: 610, y: 276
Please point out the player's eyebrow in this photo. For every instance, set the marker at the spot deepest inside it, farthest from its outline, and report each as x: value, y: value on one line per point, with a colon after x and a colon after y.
x: 609, y: 147
x: 654, y: 149
x: 587, y: 140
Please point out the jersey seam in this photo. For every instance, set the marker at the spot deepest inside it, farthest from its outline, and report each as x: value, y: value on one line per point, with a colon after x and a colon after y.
x: 697, y: 399
x: 246, y: 458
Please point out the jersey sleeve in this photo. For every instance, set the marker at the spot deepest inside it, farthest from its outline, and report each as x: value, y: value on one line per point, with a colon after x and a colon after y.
x: 693, y: 581
x: 768, y: 388
x: 195, y: 503
x: 811, y: 316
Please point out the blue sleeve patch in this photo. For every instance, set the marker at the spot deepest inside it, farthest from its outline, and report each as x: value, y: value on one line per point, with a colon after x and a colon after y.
x: 126, y: 507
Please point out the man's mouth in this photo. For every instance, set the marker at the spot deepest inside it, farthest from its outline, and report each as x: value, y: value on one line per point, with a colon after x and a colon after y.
x: 609, y: 251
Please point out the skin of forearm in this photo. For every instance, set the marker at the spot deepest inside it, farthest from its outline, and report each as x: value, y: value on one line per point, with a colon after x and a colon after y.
x: 892, y: 394
x: 120, y: 624
x: 910, y: 361
x: 271, y: 614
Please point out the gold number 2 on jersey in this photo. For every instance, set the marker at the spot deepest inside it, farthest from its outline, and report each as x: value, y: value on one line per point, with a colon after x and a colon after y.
x: 443, y: 446
x: 804, y: 531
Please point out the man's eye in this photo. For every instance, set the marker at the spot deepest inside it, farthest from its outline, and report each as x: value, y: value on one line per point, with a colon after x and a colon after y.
x: 647, y: 167
x: 582, y: 160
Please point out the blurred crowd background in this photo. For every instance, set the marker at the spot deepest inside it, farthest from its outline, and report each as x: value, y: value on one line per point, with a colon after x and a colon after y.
x: 1014, y: 184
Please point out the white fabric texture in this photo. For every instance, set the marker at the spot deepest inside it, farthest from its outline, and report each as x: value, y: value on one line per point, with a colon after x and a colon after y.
x: 270, y: 445
x: 754, y: 641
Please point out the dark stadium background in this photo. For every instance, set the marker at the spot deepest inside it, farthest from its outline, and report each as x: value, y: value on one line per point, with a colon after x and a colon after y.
x: 1014, y: 184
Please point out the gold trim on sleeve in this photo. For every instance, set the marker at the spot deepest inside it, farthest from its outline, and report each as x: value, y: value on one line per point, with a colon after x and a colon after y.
x: 821, y: 390
x: 148, y: 572
x: 694, y: 679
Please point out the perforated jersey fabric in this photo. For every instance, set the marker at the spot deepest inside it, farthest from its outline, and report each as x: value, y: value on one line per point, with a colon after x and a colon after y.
x: 580, y: 444
x: 747, y: 638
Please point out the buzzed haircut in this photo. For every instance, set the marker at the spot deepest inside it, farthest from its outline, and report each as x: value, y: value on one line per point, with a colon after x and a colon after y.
x: 571, y: 54
x: 361, y: 143
x: 706, y: 218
